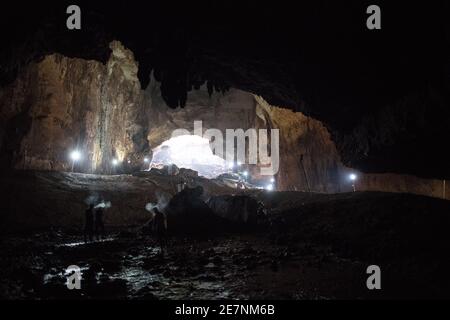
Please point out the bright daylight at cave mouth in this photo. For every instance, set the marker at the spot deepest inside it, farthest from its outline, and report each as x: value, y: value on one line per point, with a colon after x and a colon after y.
x: 190, y: 152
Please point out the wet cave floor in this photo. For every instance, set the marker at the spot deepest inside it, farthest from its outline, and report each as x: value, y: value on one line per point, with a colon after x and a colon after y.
x: 125, y: 266
x: 310, y: 247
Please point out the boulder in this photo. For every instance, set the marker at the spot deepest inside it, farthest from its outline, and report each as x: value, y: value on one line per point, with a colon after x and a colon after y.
x: 187, y: 213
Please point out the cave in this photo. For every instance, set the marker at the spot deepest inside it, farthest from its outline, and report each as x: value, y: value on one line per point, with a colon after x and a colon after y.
x: 243, y: 152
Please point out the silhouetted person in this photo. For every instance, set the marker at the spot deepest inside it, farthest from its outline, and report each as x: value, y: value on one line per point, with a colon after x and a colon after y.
x: 160, y: 228
x: 99, y: 228
x: 89, y: 223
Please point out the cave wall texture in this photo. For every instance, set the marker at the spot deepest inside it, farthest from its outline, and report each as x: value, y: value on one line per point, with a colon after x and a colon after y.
x: 383, y: 96
x: 60, y: 103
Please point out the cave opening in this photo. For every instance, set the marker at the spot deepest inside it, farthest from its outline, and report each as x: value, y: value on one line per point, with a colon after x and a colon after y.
x: 189, y: 152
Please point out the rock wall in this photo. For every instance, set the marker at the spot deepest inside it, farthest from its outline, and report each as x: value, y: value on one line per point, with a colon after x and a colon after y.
x: 299, y: 135
x: 309, y: 159
x: 391, y: 182
x: 231, y: 110
x: 62, y: 104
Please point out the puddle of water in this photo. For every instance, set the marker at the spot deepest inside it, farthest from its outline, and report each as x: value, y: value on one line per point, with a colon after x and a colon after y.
x: 138, y: 278
x: 80, y: 243
x: 63, y: 275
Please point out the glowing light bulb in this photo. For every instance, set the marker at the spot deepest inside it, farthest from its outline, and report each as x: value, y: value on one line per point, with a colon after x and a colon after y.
x: 245, y: 173
x: 353, y: 177
x: 75, y: 155
x: 115, y: 162
x: 269, y: 187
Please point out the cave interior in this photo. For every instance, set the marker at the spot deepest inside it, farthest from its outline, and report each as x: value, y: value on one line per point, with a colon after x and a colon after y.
x: 285, y: 148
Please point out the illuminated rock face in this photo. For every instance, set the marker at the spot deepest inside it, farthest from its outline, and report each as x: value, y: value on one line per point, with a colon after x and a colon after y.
x: 234, y: 109
x: 299, y: 135
x: 62, y: 104
x: 309, y: 159
x: 45, y: 110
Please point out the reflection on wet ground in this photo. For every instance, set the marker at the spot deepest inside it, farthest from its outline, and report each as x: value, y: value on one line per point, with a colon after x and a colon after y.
x: 118, y: 267
x: 130, y: 266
